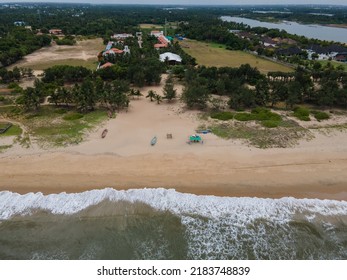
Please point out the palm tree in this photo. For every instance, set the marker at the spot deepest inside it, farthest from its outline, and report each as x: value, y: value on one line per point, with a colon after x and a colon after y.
x: 158, y: 98
x: 151, y: 94
x: 138, y: 93
x: 132, y: 92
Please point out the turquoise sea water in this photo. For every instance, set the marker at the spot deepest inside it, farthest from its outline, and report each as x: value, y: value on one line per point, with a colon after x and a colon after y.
x: 165, y: 224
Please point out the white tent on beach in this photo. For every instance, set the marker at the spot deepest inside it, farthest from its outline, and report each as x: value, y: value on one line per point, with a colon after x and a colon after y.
x: 171, y: 57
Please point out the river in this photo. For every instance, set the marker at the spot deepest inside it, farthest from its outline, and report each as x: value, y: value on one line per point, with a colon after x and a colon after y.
x: 310, y: 31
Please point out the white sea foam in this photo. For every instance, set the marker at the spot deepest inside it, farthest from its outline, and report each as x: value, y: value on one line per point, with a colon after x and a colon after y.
x: 169, y: 200
x: 214, y: 227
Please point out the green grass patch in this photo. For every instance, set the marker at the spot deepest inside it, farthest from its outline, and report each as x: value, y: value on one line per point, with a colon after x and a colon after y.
x: 223, y: 116
x: 216, y: 45
x: 212, y: 54
x: 302, y: 113
x: 150, y: 26
x: 61, y: 111
x: 8, y: 111
x: 270, y: 123
x: 3, y: 148
x: 73, y: 116
x: 14, y: 130
x: 334, y: 63
x: 42, y: 65
x: 286, y: 135
x: 265, y: 116
x: 51, y: 128
x: 320, y: 116
x: 262, y: 135
x: 231, y: 132
x: 244, y: 117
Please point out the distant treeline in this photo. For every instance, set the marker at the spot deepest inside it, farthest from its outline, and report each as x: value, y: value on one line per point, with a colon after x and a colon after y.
x: 201, y: 23
x: 305, y: 14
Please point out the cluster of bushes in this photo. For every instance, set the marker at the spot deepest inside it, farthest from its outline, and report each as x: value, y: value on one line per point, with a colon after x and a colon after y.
x: 73, y: 116
x: 303, y: 114
x: 223, y: 116
x: 263, y: 115
x: 320, y: 115
x: 66, y: 73
x: 66, y: 41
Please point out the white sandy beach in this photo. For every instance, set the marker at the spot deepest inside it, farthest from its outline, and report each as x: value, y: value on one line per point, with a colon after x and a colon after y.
x: 125, y: 159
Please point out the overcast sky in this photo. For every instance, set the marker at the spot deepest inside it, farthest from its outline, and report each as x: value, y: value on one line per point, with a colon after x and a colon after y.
x: 193, y: 2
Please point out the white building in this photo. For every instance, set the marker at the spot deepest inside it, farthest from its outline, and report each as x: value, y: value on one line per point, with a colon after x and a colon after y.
x: 157, y: 33
x: 171, y: 57
x: 121, y: 36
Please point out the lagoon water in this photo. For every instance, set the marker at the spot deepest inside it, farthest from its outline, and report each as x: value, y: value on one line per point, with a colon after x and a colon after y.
x: 311, y: 31
x: 165, y: 224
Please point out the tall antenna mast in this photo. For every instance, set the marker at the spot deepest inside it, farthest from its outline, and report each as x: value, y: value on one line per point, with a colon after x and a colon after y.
x: 38, y: 12
x: 165, y: 32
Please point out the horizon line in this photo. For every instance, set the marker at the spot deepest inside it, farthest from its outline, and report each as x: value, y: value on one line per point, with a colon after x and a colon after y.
x: 173, y: 5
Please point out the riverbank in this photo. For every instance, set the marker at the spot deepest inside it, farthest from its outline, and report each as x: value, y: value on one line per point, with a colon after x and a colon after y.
x: 321, y: 32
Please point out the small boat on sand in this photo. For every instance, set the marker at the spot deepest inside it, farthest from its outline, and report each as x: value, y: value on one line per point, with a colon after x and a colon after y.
x: 203, y: 131
x: 104, y: 133
x: 154, y: 141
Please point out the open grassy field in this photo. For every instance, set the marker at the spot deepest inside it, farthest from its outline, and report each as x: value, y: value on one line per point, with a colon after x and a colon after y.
x: 53, y: 127
x: 150, y: 26
x: 170, y: 26
x: 42, y: 65
x: 14, y: 130
x: 211, y: 54
x: 84, y: 53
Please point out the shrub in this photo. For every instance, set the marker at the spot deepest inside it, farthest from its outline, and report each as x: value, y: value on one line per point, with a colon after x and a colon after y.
x: 263, y: 114
x: 65, y: 41
x: 61, y: 111
x: 320, y: 115
x: 16, y: 110
x: 223, y: 116
x: 12, y: 85
x: 243, y: 117
x: 72, y: 116
x: 302, y: 113
x: 270, y: 123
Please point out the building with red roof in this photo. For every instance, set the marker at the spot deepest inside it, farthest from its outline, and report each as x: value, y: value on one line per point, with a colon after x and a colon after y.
x: 113, y: 51
x: 106, y: 65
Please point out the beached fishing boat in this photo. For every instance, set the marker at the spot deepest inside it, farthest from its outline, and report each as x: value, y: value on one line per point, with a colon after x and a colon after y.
x: 203, y: 131
x: 104, y: 133
x: 154, y: 141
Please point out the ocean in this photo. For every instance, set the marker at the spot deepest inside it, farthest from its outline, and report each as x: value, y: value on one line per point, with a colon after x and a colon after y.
x: 165, y: 224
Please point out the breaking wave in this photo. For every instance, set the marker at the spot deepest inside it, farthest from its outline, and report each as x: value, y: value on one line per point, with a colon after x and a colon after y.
x: 165, y: 224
